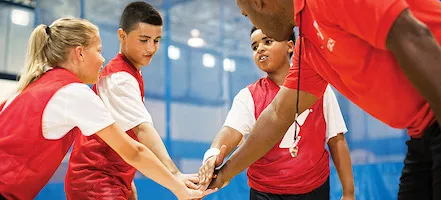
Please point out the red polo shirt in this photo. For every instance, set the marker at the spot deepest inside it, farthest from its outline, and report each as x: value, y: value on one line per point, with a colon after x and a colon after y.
x: 344, y: 44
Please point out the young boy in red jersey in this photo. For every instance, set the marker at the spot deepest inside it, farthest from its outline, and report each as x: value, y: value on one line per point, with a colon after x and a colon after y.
x: 278, y: 175
x: 121, y: 88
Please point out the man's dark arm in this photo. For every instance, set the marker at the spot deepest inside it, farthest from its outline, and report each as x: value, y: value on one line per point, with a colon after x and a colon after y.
x: 419, y: 56
x: 268, y: 130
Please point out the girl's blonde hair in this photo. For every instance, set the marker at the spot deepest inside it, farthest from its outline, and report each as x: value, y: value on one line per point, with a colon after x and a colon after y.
x: 49, y: 45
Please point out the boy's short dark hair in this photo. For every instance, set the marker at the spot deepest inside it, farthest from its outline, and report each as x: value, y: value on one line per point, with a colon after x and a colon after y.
x: 139, y: 12
x: 292, y: 38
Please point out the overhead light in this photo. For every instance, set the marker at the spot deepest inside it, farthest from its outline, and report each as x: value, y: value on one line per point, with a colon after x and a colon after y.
x: 196, y: 42
x: 208, y: 60
x: 229, y: 65
x: 20, y: 17
x: 174, y: 53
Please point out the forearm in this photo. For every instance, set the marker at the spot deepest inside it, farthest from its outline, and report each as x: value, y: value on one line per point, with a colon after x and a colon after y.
x: 149, y: 165
x: 133, y: 195
x: 268, y: 129
x: 140, y: 157
x: 229, y: 137
x: 419, y: 56
x: 339, y: 150
x: 148, y: 136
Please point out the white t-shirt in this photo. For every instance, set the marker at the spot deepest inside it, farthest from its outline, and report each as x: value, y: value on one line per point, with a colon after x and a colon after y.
x: 241, y: 116
x: 74, y: 105
x: 122, y: 97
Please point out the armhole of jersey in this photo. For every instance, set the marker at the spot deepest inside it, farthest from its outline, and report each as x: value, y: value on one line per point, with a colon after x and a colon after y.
x: 245, y: 97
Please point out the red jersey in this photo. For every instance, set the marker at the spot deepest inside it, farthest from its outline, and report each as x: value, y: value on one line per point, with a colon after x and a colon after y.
x: 28, y: 160
x: 277, y: 172
x: 344, y: 44
x: 96, y: 170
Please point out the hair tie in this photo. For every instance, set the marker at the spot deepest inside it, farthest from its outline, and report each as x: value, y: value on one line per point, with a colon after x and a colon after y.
x: 48, y: 30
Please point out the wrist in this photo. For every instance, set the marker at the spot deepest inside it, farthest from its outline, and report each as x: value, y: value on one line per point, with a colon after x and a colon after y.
x: 348, y: 192
x: 225, y: 172
x: 180, y: 188
x: 210, y: 153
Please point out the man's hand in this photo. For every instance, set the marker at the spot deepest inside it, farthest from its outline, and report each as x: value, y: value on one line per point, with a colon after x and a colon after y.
x: 219, y: 181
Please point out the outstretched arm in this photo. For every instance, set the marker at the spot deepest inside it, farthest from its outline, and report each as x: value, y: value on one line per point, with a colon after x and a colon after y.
x: 268, y: 130
x: 419, y: 56
x: 140, y: 157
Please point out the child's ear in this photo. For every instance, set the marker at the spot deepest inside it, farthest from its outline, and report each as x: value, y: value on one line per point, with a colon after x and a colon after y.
x: 121, y: 34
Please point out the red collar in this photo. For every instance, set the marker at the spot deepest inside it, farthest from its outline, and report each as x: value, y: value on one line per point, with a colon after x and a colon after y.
x: 120, y: 56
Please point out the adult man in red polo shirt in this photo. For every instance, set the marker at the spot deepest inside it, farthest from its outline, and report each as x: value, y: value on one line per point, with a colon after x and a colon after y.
x: 383, y: 55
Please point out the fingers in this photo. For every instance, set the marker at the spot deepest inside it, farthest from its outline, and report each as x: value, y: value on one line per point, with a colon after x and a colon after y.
x: 203, y: 187
x: 209, y: 175
x: 206, y: 171
x: 191, y: 185
x: 210, y: 191
x: 194, y: 179
x: 202, y: 173
x: 220, y: 158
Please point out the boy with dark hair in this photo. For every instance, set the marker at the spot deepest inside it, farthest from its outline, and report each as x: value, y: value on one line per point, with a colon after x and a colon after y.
x: 279, y: 175
x: 96, y: 171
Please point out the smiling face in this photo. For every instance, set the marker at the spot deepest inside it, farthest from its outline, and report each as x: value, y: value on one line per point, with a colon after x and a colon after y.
x: 140, y: 44
x: 270, y: 55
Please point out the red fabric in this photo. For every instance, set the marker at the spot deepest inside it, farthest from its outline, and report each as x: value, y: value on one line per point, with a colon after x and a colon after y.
x: 95, y: 170
x: 278, y: 172
x: 28, y: 160
x: 310, y: 81
x: 344, y: 43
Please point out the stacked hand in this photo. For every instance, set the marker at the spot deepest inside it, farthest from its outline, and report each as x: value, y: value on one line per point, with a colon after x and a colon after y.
x: 187, y: 193
x: 207, y: 173
x: 192, y: 190
x: 207, y: 180
x: 190, y: 180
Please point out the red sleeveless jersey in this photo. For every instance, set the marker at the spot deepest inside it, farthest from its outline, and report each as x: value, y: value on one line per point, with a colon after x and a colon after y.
x: 95, y: 170
x: 278, y: 172
x: 28, y: 160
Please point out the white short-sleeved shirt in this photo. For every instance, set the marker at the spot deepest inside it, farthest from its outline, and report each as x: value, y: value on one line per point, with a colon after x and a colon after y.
x: 241, y: 116
x: 74, y: 105
x: 121, y: 94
